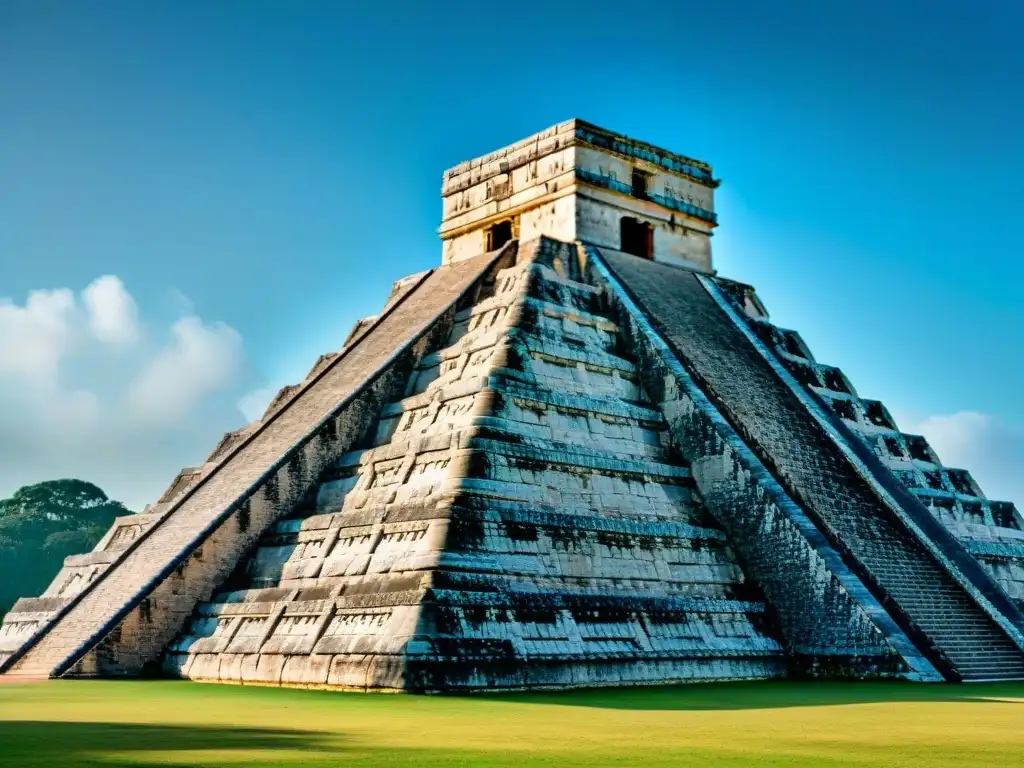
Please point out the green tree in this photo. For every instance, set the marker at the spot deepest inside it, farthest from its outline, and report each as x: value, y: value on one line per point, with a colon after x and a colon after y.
x: 42, y: 524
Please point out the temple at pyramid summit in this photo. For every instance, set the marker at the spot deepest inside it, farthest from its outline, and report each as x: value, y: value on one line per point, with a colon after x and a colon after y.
x: 571, y: 454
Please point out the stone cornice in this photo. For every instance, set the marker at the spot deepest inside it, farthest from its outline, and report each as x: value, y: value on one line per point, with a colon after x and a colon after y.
x: 614, y: 185
x: 671, y: 162
x: 568, y: 134
x: 446, y: 231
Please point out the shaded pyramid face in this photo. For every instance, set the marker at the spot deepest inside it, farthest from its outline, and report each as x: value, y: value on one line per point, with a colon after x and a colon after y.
x: 519, y: 517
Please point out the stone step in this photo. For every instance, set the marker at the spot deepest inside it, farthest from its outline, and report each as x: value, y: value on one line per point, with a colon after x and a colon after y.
x: 972, y: 665
x: 619, y: 388
x: 980, y: 630
x: 982, y: 658
x: 548, y: 286
x: 976, y: 663
x: 578, y: 316
x: 559, y: 455
x: 968, y: 662
x: 965, y: 645
x: 991, y: 673
x: 568, y: 356
x: 594, y: 436
x: 528, y: 390
x: 502, y: 438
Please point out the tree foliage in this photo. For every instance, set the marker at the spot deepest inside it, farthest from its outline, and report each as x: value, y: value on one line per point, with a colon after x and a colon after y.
x: 42, y: 524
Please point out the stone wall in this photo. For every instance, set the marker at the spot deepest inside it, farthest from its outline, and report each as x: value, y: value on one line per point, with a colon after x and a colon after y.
x: 598, y: 222
x: 574, y: 182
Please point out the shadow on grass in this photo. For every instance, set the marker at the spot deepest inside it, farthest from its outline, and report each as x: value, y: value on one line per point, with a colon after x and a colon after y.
x: 770, y: 695
x: 32, y: 742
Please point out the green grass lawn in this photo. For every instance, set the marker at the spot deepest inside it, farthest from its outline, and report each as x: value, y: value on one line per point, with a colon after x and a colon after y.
x: 68, y: 723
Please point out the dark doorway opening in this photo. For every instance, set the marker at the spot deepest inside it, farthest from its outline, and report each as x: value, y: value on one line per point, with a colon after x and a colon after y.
x: 640, y: 180
x: 498, y: 235
x: 637, y: 238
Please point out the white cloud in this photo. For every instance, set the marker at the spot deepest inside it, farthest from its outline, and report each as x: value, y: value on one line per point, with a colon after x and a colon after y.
x: 111, y: 309
x: 992, y: 451
x: 127, y: 422
x: 34, y: 337
x: 200, y: 359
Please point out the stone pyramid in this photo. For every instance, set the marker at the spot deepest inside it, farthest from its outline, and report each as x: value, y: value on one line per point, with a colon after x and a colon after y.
x: 571, y: 455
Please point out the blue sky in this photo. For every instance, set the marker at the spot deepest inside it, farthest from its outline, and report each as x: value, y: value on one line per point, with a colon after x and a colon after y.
x: 254, y: 175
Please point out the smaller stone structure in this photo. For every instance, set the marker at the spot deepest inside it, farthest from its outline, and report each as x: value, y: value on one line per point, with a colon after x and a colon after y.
x: 576, y: 181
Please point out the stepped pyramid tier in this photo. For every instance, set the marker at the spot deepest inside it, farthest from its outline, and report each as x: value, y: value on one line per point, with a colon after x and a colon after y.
x: 518, y: 516
x: 571, y: 455
x: 992, y: 531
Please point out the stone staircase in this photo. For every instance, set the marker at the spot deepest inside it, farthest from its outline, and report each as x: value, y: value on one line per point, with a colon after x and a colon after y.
x: 938, y: 613
x: 974, y: 645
